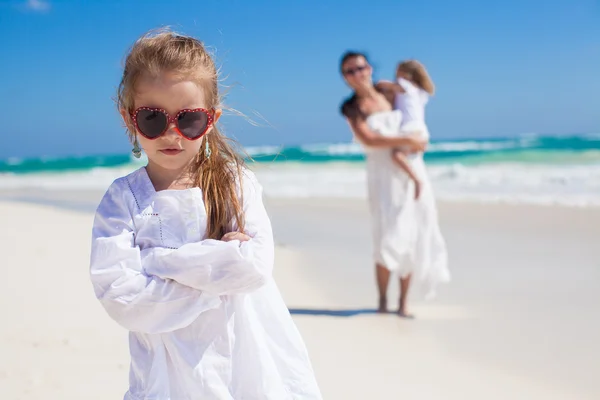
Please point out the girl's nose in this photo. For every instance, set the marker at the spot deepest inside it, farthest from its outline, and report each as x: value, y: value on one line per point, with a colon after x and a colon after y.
x: 172, y: 129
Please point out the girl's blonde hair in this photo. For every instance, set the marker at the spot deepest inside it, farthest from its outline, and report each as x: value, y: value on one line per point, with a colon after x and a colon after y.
x: 220, y: 174
x: 417, y: 74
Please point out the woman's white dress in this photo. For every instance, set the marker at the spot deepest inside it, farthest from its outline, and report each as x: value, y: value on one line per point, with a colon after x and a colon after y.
x: 407, y: 236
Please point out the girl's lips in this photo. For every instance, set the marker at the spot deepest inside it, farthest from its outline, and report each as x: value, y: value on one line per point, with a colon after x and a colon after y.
x: 171, y: 152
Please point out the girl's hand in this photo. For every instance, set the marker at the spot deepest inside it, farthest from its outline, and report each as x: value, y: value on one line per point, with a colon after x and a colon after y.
x: 417, y: 144
x: 242, y: 237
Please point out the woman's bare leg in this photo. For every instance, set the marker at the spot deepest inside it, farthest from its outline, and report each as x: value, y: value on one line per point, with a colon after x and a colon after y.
x: 404, y: 286
x: 383, y: 280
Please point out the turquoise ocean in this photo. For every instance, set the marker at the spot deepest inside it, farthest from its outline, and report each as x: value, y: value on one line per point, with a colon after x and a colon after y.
x: 526, y: 169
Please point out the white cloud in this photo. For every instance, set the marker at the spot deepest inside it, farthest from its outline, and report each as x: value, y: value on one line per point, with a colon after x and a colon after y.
x: 37, y: 5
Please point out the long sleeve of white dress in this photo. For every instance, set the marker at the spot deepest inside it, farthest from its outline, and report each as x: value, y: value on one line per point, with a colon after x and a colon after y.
x: 222, y: 268
x: 136, y: 300
x: 161, y: 289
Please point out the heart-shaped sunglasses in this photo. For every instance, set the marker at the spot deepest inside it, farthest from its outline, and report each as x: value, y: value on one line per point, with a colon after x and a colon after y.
x: 152, y: 123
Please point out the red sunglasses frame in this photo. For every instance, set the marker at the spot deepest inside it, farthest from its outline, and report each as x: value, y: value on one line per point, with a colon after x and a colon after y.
x: 170, y: 120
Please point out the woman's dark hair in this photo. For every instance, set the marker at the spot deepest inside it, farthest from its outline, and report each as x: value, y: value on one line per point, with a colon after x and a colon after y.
x: 351, y: 54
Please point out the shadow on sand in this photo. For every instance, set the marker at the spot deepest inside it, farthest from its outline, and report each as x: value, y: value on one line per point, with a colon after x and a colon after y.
x: 332, y: 313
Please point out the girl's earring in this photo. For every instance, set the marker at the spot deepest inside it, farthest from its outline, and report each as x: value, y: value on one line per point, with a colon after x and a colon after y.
x: 137, y: 152
x: 207, y: 151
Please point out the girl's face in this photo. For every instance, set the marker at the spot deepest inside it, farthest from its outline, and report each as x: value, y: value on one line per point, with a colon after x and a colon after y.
x: 171, y: 151
x: 357, y: 72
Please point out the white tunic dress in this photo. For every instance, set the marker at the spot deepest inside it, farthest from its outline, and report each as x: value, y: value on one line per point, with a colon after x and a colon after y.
x: 412, y: 105
x: 407, y: 237
x: 206, y: 319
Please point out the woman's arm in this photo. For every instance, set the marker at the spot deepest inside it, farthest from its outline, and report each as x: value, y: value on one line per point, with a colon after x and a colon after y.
x: 366, y: 136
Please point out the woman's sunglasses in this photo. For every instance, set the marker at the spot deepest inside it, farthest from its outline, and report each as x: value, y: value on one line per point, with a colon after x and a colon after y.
x: 154, y: 122
x: 352, y: 71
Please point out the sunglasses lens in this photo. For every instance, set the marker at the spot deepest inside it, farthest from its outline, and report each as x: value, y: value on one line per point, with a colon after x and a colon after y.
x: 151, y: 123
x: 192, y: 124
x: 352, y: 71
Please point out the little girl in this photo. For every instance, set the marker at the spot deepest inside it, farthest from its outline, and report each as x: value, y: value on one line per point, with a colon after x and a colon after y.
x: 182, y: 249
x: 413, y: 90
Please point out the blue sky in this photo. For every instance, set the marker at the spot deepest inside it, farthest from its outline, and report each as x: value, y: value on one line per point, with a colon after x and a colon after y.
x: 501, y: 68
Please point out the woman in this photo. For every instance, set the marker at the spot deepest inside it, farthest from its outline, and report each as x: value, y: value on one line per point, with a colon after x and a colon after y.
x: 406, y: 236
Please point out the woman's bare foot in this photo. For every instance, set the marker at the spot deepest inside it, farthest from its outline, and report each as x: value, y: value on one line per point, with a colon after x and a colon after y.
x: 404, y: 286
x: 404, y: 314
x: 382, y: 309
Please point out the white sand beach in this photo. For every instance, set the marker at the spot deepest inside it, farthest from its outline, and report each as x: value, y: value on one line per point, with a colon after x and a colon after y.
x: 520, y: 319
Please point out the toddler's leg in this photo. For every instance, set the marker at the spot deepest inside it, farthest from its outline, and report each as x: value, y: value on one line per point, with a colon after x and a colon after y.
x: 401, y: 160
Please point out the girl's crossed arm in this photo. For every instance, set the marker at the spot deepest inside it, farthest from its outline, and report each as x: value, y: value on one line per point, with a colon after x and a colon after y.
x: 161, y: 290
x: 218, y: 267
x: 136, y: 300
